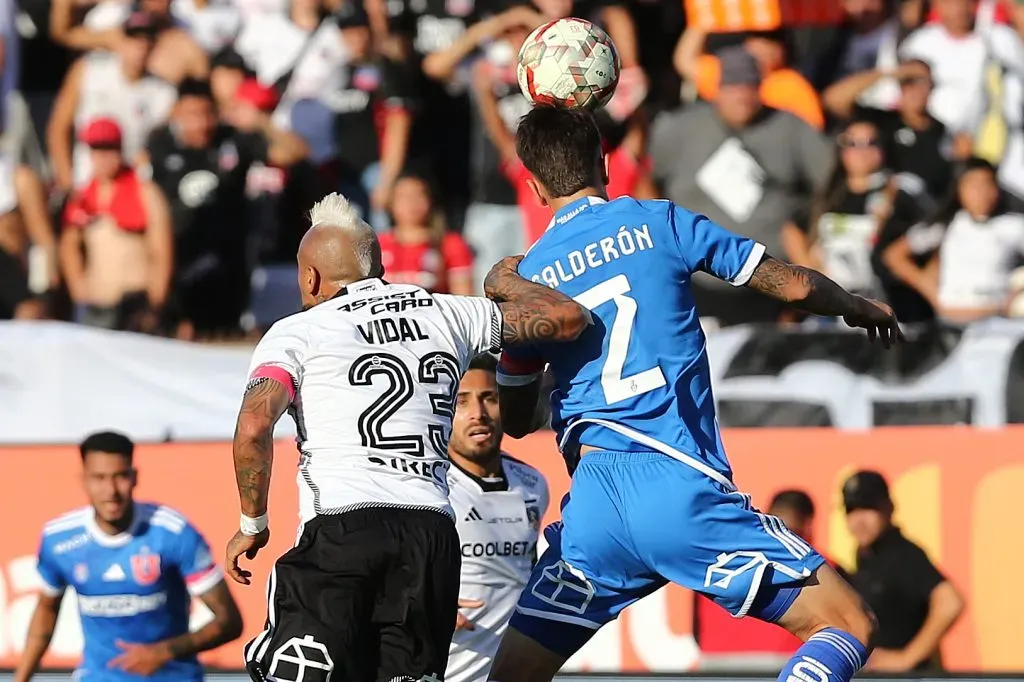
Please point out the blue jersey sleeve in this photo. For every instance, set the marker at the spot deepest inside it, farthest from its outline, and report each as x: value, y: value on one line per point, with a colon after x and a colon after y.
x: 707, y: 246
x: 49, y: 570
x: 194, y: 561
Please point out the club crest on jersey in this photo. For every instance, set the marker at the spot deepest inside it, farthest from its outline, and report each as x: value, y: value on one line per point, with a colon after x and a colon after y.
x: 146, y: 567
x: 533, y: 517
x: 81, y: 573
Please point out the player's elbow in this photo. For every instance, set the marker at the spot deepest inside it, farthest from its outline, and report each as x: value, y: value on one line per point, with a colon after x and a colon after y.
x: 231, y: 626
x: 575, y: 320
x: 252, y: 427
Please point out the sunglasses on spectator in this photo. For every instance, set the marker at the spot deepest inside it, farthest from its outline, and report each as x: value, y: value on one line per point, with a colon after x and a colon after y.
x: 913, y: 80
x: 854, y: 143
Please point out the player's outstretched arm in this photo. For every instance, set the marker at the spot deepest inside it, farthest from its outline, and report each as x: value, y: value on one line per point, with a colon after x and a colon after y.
x: 532, y: 312
x: 265, y: 401
x: 813, y: 292
x: 40, y: 632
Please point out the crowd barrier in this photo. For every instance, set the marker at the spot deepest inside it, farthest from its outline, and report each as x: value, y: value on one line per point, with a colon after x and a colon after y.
x: 954, y: 488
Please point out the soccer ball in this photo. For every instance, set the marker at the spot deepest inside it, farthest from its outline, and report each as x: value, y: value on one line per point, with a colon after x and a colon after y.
x: 569, y: 63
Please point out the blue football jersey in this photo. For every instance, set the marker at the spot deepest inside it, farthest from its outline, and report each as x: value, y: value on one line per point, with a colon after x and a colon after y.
x: 136, y: 586
x: 638, y: 379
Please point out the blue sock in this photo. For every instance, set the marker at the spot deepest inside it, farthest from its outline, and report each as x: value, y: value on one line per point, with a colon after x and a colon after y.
x: 828, y: 656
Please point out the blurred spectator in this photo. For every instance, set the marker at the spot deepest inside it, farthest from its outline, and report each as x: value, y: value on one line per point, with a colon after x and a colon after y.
x: 915, y: 604
x: 299, y: 52
x: 418, y: 249
x: 10, y: 50
x: 494, y: 225
x: 747, y: 167
x: 728, y: 643
x: 111, y: 85
x: 116, y: 244
x: 838, y: 232
x: 781, y: 88
x: 978, y: 71
x: 917, y: 146
x: 373, y: 109
x: 201, y: 165
x: 44, y: 62
x: 28, y: 249
x: 175, y: 55
x: 213, y: 24
x: 868, y: 38
x: 979, y: 246
x: 227, y: 72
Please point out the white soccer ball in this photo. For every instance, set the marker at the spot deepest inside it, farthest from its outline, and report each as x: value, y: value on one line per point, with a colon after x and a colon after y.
x: 570, y: 63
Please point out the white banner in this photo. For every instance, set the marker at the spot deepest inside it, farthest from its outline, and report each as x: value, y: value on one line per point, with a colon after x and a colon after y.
x: 59, y: 382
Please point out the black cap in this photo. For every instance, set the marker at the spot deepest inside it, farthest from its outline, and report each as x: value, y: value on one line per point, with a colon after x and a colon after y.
x: 351, y: 14
x: 228, y: 58
x: 866, y: 490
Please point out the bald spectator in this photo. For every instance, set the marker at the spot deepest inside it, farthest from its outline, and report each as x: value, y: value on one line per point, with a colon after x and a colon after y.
x: 746, y: 166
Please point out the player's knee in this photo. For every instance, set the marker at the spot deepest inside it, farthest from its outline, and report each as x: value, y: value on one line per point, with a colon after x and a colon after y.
x: 521, y: 659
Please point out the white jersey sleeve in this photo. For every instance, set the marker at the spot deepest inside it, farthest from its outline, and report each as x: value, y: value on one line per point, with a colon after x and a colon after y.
x: 279, y: 355
x: 475, y: 319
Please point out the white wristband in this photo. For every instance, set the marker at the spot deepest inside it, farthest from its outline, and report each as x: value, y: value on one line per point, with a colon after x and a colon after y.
x: 252, y: 526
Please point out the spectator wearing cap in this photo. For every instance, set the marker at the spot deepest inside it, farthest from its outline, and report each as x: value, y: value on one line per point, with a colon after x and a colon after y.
x: 746, y: 166
x: 915, y: 604
x: 202, y: 165
x: 116, y: 244
x: 108, y: 85
x: 781, y: 87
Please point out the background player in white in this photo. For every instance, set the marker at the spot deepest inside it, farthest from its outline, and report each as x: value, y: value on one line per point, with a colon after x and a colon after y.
x: 498, y: 502
x: 369, y: 371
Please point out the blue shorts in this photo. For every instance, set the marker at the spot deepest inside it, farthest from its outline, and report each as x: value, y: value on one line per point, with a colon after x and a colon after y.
x: 632, y: 523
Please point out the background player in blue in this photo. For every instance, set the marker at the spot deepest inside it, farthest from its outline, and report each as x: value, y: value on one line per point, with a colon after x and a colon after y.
x: 135, y: 567
x: 652, y: 498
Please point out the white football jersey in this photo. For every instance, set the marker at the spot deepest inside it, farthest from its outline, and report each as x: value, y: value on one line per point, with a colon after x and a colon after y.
x: 374, y: 372
x: 498, y: 532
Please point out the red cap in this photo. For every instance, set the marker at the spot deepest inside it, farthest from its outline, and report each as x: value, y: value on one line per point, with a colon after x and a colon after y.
x: 101, y: 132
x: 262, y: 97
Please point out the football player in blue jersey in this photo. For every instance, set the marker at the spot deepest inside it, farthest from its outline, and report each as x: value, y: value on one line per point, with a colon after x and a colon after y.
x: 652, y: 498
x: 134, y: 567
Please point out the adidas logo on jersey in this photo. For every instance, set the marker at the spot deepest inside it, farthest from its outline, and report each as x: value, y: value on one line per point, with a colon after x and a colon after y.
x: 474, y: 515
x: 114, y: 574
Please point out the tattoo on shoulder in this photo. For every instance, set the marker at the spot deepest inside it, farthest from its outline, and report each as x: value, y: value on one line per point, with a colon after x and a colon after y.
x: 266, y: 396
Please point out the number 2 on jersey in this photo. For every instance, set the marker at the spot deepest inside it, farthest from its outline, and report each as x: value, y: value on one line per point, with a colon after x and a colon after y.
x: 617, y: 387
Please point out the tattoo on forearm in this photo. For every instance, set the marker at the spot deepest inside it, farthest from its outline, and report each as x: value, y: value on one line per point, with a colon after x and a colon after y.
x: 264, y: 403
x: 531, y: 311
x: 802, y: 287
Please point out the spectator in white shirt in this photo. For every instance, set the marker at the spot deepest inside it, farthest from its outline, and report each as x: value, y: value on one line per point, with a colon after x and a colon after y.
x: 979, y: 246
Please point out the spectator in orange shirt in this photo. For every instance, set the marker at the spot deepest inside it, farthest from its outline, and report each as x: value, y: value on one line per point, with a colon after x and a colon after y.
x: 418, y: 250
x: 782, y: 87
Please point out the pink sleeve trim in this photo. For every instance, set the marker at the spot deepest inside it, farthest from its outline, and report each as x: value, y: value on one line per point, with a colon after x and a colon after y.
x: 278, y: 374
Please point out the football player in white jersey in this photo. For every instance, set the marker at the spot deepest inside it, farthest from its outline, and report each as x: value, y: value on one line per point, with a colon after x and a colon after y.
x: 368, y: 370
x: 498, y: 502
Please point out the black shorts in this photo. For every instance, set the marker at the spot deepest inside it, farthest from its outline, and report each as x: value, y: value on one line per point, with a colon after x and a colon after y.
x: 370, y: 595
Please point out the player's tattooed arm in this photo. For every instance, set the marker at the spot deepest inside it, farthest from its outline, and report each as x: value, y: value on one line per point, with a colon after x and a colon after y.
x: 225, y: 627
x: 532, y: 312
x: 813, y: 292
x: 253, y: 447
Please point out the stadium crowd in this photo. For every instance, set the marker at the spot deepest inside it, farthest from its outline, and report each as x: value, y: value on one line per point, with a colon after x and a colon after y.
x: 158, y: 156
